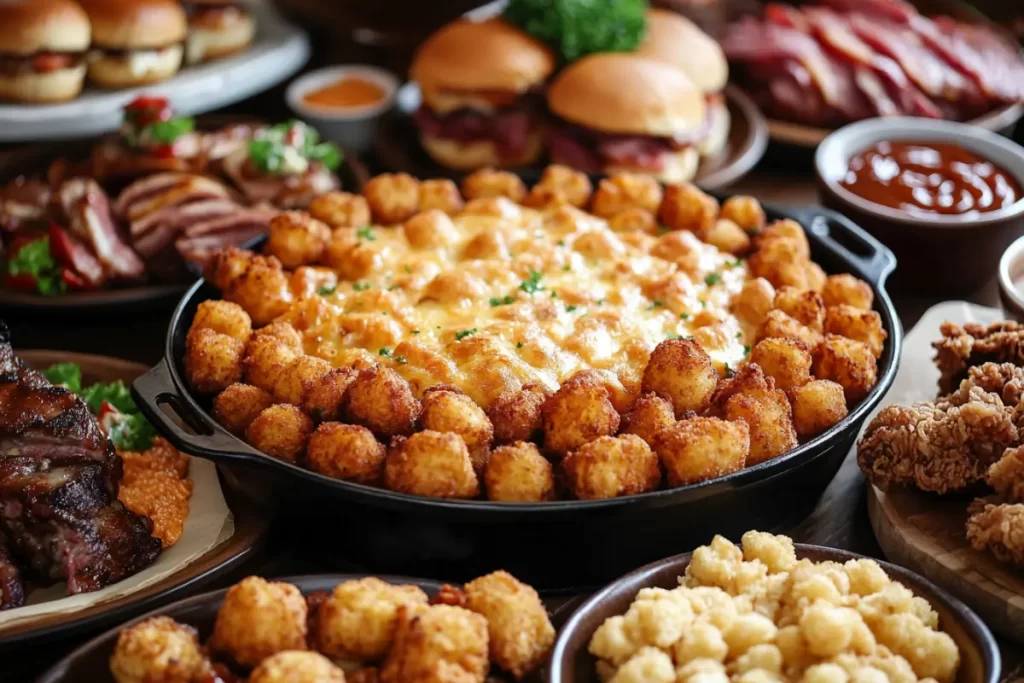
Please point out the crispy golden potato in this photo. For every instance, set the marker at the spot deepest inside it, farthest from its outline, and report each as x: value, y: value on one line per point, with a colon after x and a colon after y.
x: 681, y: 371
x: 786, y: 229
x: 626, y: 192
x: 686, y: 207
x: 298, y: 376
x: 281, y: 331
x: 348, y: 452
x: 562, y: 182
x: 497, y: 207
x: 297, y: 666
x: 307, y: 281
x: 445, y: 410
x: 580, y: 411
x: 486, y: 183
x: 816, y: 277
x: 519, y: 630
x: 519, y: 473
x: 817, y: 406
x: 281, y: 431
x: 441, y: 194
x: 779, y: 325
x: 213, y: 361
x: 487, y: 245
x: 682, y: 248
x: 262, y: 290
x: 727, y: 237
x: 431, y: 464
x: 266, y: 357
x: 223, y: 317
x: 770, y: 419
x: 326, y: 394
x: 455, y: 287
x: 621, y: 397
x: 237, y: 406
x: 859, y: 324
x: 599, y: 244
x: 546, y: 198
x: 341, y: 209
x: 430, y: 229
x: 745, y: 212
x: 753, y: 301
x: 847, y: 362
x: 786, y: 361
x: 226, y: 266
x: 157, y: 650
x: 701, y: 448
x: 612, y: 466
x: 370, y: 674
x: 297, y: 239
x: 257, y: 619
x: 634, y: 220
x: 748, y: 378
x: 846, y: 289
x: 650, y: 415
x: 516, y: 414
x: 357, y: 622
x: 806, y: 307
x: 437, y: 644
x: 380, y: 400
x: 781, y: 262
x: 393, y: 197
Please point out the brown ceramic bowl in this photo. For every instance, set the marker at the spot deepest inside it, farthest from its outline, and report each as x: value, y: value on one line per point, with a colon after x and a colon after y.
x: 571, y: 663
x: 1011, y: 270
x: 942, y: 254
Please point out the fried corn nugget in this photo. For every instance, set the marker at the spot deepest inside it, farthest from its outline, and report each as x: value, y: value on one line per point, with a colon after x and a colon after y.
x: 702, y: 448
x: 213, y: 361
x: 441, y: 194
x: 745, y: 212
x: 859, y: 324
x: 437, y: 644
x: 748, y: 378
x: 347, y: 452
x: 681, y: 371
x: 778, y: 324
x: 817, y: 406
x: 624, y: 192
x: 686, y: 207
x: 753, y: 301
x: 296, y: 666
x: 649, y: 416
x: 452, y: 411
x: 846, y: 289
x: 341, y: 209
x: 806, y: 307
x: 612, y: 466
x: 560, y: 184
x: 431, y: 464
x: 380, y: 400
x: 430, y: 229
x: 519, y: 473
x: 728, y: 237
x: 157, y: 649
x: 227, y: 266
x: 487, y: 183
x: 297, y: 239
x: 325, y: 395
x: 298, y: 377
x: 786, y: 361
x: 580, y: 411
x: 281, y: 431
x: 781, y: 261
x: 847, y: 362
x: 357, y: 622
x: 258, y: 619
x: 223, y: 317
x: 770, y: 419
x: 393, y: 197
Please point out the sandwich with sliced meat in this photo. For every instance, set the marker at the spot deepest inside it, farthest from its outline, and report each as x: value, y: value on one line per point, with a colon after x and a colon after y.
x: 43, y: 44
x: 135, y: 42
x: 620, y: 112
x: 217, y: 28
x: 482, y: 101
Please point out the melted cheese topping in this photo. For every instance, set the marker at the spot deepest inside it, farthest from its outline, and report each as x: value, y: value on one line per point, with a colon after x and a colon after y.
x: 521, y: 297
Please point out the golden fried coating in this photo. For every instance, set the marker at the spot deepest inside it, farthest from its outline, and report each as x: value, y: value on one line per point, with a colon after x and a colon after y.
x: 437, y: 644
x: 781, y: 261
x: 624, y: 192
x: 806, y: 307
x: 634, y: 220
x: 237, y: 406
x: 340, y: 209
x: 744, y: 211
x: 280, y: 331
x: 857, y: 323
x: 612, y: 466
x: 430, y: 229
x: 281, y: 431
x: 348, y: 452
x: 727, y: 236
x: 961, y: 348
x: 580, y: 411
x: 297, y: 666
x: 370, y: 674
x: 560, y: 184
x: 160, y: 493
x: 297, y: 378
x: 786, y: 361
x: 223, y: 317
x: 754, y: 300
x: 815, y: 277
x: 681, y: 371
x: 686, y: 207
x: 847, y: 362
x: 519, y: 631
x: 325, y: 395
x: 262, y: 290
x: 357, y: 622
x: 453, y: 411
x: 785, y: 229
x: 157, y: 650
x: 393, y: 197
x: 519, y: 473
x: 431, y: 464
x: 998, y: 527
x: 257, y: 619
x: 750, y: 377
x: 226, y: 266
x: 265, y: 359
x: 779, y: 325
x: 817, y: 405
x: 297, y: 239
x: 649, y: 415
x: 846, y: 289
x: 488, y: 182
x: 1007, y: 475
x: 213, y: 361
x: 770, y: 419
x: 702, y: 448
x: 380, y: 400
x: 441, y: 194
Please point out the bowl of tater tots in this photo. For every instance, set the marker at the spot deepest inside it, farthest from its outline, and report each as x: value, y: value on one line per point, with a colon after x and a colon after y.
x: 487, y: 366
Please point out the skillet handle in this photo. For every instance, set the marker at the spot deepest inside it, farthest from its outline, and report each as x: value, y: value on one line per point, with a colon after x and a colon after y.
x: 842, y: 235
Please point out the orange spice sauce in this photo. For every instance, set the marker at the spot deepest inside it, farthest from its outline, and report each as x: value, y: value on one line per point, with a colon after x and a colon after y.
x: 345, y: 93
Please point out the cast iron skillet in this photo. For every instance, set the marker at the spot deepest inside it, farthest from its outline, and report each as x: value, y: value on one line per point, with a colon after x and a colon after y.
x: 559, y: 544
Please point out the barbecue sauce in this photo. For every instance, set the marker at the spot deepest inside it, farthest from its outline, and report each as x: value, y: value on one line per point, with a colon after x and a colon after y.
x: 345, y: 93
x: 930, y: 178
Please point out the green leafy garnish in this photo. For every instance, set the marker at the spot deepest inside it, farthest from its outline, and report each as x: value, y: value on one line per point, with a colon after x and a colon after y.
x: 684, y: 316
x: 114, y: 393
x: 736, y: 264
x: 416, y: 331
x: 728, y: 371
x: 712, y: 279
x: 519, y: 345
x: 532, y: 285
x: 459, y: 336
x: 34, y: 259
x: 384, y: 351
x: 746, y: 350
x: 366, y: 233
x: 132, y: 432
x: 407, y: 268
x: 570, y: 308
x: 361, y: 286
x: 575, y: 28
x: 502, y: 301
x: 655, y: 304
x: 67, y: 375
x: 327, y: 291
x: 401, y: 359
x: 276, y: 149
x: 166, y: 132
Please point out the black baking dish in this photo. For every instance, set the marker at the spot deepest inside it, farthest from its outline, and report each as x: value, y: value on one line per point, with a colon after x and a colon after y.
x: 551, y: 545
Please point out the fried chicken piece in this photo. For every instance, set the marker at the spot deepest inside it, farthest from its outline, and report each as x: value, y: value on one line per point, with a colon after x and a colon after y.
x: 1007, y: 475
x: 964, y: 346
x: 999, y: 527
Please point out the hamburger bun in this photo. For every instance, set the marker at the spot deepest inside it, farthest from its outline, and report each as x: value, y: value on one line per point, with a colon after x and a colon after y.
x: 675, y: 40
x: 489, y: 55
x: 677, y: 167
x: 31, y: 26
x: 718, y: 133
x: 136, y: 24
x: 51, y: 86
x: 469, y: 156
x: 626, y: 94
x: 233, y: 33
x: 135, y: 68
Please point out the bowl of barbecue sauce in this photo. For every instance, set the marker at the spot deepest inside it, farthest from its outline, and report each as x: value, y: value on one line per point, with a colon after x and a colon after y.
x: 946, y: 197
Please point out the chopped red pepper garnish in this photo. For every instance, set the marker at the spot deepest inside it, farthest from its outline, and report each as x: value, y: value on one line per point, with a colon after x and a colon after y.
x: 60, y: 246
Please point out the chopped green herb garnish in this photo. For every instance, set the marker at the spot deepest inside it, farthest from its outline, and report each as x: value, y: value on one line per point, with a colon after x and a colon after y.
x: 600, y: 302
x: 166, y: 132
x: 408, y: 268
x: 416, y: 331
x: 739, y: 335
x: 361, y: 286
x: 712, y: 279
x: 655, y: 304
x: 570, y: 308
x: 737, y: 263
x: 553, y: 294
x: 401, y: 359
x: 67, y: 375
x: 703, y: 304
x: 288, y: 147
x: 532, y: 285
x: 728, y: 371
x: 384, y: 351
x: 459, y: 336
x: 561, y: 243
x: 684, y: 316
x: 502, y: 301
x: 662, y: 229
x: 519, y: 345
x: 366, y: 233
x: 327, y: 291
x: 746, y: 350
x: 565, y: 268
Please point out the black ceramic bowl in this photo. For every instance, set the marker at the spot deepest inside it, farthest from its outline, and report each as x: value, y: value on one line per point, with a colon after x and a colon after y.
x: 559, y: 544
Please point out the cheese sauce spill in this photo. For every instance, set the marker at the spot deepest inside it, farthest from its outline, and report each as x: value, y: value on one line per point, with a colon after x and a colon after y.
x: 345, y: 93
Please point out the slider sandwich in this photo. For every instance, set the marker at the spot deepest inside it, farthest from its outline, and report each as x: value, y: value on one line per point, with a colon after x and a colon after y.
x: 43, y: 45
x: 217, y: 28
x: 135, y: 42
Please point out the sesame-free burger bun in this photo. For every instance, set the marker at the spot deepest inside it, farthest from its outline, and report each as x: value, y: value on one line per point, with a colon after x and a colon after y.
x: 42, y: 87
x: 30, y: 26
x: 212, y: 42
x: 135, y: 68
x: 488, y: 55
x: 136, y: 24
x: 675, y: 40
x: 469, y: 156
x: 677, y: 167
x: 626, y: 94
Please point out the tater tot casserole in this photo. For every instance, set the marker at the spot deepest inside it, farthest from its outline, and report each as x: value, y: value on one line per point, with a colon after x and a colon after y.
x: 523, y: 344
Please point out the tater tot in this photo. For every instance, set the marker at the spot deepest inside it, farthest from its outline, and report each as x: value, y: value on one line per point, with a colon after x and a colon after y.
x: 297, y: 239
x: 226, y: 266
x: 516, y: 414
x: 453, y: 411
x: 258, y: 619
x: 624, y: 192
x: 341, y: 209
x: 754, y: 300
x: 686, y: 207
x: 634, y: 220
x: 649, y: 416
x: 681, y: 371
x: 817, y: 406
x: 727, y: 237
x: 213, y: 361
x: 281, y: 431
x: 347, y: 452
x: 441, y: 194
x: 778, y: 324
x: 788, y: 229
x: 846, y: 289
x: 431, y: 464
x: 781, y: 262
x: 859, y: 324
x: 568, y: 184
x: 265, y: 359
x: 744, y: 211
x: 770, y: 419
x: 437, y: 644
x: 847, y: 362
x: 786, y: 361
x: 750, y: 377
x: 281, y: 331
x: 393, y: 197
x: 430, y: 229
x: 486, y: 183
x: 357, y: 622
x: 519, y: 629
x: 297, y: 666
x: 804, y: 306
x: 380, y: 400
x: 816, y: 277
x: 519, y: 473
x: 324, y: 398
x: 263, y: 290
x: 580, y: 411
x: 612, y: 466
x: 298, y: 376
x: 702, y: 448
x: 155, y: 650
x: 223, y: 317
x: 237, y: 406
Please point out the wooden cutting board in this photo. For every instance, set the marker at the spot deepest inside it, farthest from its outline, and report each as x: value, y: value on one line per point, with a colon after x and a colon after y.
x: 925, y: 532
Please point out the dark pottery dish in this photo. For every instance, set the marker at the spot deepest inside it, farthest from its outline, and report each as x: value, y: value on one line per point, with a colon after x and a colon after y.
x: 571, y: 663
x: 551, y: 545
x: 954, y: 254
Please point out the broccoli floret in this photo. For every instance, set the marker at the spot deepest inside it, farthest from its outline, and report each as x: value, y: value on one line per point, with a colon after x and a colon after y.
x: 576, y: 28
